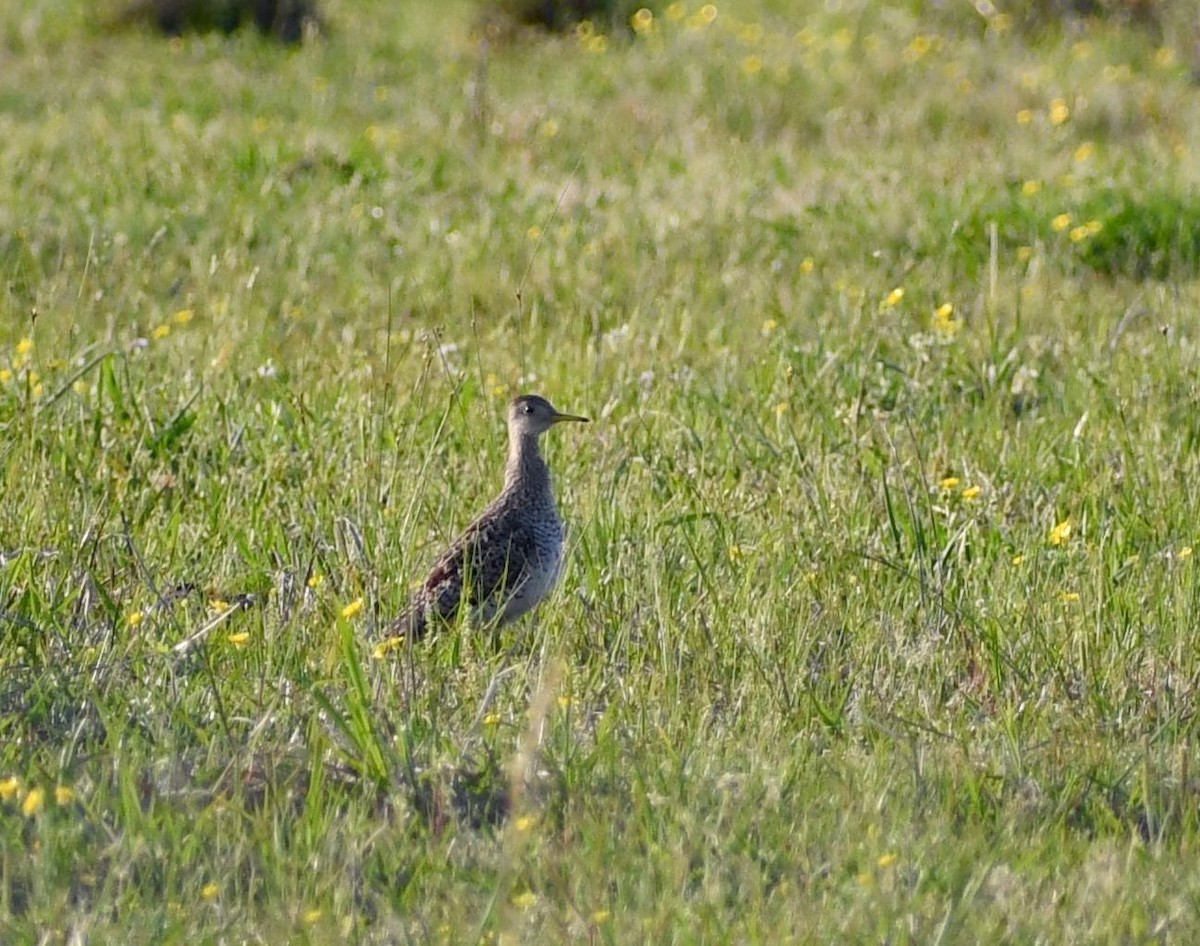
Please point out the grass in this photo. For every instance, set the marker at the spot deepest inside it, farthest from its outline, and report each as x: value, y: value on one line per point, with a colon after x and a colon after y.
x: 879, y: 616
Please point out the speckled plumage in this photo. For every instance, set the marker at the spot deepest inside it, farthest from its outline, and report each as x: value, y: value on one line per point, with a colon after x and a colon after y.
x: 510, y: 557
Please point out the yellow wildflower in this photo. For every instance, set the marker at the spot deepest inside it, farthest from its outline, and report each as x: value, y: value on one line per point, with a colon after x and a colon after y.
x: 161, y: 331
x: 5, y: 376
x: 1079, y: 234
x: 491, y: 719
x: 1024, y: 116
x: 1085, y: 151
x: 887, y: 860
x: 239, y: 639
x: 893, y: 298
x: 183, y: 316
x: 524, y: 823
x: 1185, y: 552
x: 1018, y: 559
x: 34, y: 802
x: 1060, y: 223
x: 600, y: 916
x: 1059, y: 111
x: 1069, y: 596
x: 352, y: 609
x: 752, y: 64
x: 63, y: 795
x: 676, y: 12
x: 312, y: 916
x: 209, y: 891
x: 25, y: 347
x: 769, y: 326
x: 642, y: 21
x: 135, y: 618
x: 950, y: 482
x: 316, y: 580
x: 971, y: 492
x: 523, y: 901
x: 917, y: 48
x: 9, y: 788
x: 944, y: 321
x: 807, y: 265
x: 1060, y: 533
x: 533, y: 233
x: 1029, y: 188
x: 383, y: 648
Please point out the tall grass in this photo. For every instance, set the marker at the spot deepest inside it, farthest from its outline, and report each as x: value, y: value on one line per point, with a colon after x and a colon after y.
x: 877, y: 622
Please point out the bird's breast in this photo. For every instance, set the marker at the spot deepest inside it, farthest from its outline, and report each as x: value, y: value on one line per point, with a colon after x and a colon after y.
x: 541, y: 570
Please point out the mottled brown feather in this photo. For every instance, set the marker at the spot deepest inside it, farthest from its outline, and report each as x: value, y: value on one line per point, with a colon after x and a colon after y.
x: 508, y: 558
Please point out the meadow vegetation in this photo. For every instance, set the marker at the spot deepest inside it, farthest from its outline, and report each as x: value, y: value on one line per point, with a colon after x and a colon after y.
x: 879, y: 622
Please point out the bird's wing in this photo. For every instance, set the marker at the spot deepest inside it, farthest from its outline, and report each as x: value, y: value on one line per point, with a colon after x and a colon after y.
x: 439, y: 595
x: 500, y: 558
x: 477, y: 565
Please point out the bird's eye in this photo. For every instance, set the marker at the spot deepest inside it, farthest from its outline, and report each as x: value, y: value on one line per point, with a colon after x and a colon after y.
x: 527, y: 408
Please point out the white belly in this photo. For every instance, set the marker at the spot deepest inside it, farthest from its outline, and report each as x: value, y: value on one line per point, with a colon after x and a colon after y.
x: 535, y: 584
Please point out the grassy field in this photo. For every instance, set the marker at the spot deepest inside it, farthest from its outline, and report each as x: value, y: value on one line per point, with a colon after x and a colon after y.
x: 879, y: 622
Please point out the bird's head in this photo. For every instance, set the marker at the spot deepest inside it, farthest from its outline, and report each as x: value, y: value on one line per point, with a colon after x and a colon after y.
x: 530, y: 416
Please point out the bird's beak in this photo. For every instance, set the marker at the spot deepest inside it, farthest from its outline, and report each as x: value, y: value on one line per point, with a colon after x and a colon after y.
x: 575, y: 418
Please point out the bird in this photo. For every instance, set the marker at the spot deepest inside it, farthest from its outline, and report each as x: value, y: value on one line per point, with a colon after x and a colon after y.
x: 510, y: 557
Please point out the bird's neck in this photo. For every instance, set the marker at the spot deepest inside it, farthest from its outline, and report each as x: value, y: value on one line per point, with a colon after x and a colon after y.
x: 525, y: 468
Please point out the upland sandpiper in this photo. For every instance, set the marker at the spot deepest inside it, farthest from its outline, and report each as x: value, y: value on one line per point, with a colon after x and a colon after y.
x: 510, y: 557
